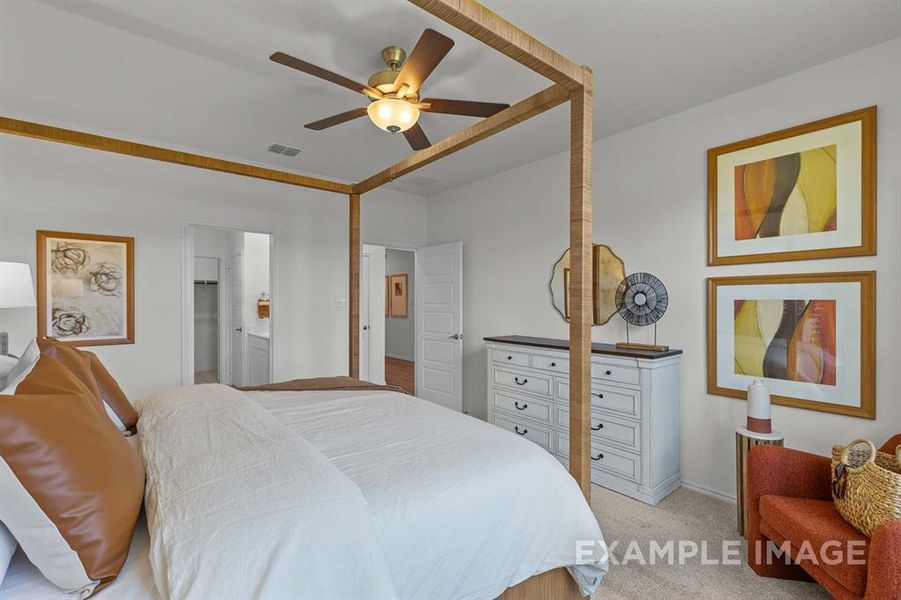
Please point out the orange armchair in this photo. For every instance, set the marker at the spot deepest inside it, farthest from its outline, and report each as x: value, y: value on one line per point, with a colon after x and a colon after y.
x: 790, y: 508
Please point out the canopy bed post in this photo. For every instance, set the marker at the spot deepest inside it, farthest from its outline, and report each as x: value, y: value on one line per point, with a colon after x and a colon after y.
x: 353, y: 321
x: 580, y: 283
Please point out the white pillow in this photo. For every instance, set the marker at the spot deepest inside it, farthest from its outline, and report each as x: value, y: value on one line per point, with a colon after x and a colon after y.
x: 6, y: 365
x: 22, y: 368
x: 7, y: 549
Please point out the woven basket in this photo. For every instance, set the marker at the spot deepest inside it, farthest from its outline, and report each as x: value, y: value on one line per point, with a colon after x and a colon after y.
x: 866, y: 485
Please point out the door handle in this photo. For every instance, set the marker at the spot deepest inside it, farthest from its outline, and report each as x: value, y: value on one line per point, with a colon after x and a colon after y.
x: 365, y: 327
x: 239, y: 329
x: 456, y: 336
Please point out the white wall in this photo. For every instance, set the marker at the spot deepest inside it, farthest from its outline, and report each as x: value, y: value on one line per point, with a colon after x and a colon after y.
x: 650, y: 207
x: 53, y: 186
x: 400, y: 332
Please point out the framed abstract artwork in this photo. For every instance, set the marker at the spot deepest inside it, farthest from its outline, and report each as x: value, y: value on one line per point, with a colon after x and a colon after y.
x: 398, y: 282
x: 85, y: 288
x: 801, y: 193
x: 810, y: 338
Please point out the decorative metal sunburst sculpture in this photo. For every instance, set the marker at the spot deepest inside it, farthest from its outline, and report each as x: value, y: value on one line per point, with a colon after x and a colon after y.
x: 641, y: 299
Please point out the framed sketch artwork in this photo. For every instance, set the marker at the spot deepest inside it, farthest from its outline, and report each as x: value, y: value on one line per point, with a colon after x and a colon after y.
x: 85, y: 288
x: 811, y: 338
x: 801, y: 193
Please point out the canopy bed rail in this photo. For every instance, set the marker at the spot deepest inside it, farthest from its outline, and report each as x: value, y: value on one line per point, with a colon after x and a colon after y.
x: 571, y: 82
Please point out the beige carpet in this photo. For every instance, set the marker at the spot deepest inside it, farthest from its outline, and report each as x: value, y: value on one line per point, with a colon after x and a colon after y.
x: 684, y: 515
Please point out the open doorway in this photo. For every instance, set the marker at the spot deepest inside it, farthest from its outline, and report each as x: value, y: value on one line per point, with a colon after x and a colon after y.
x: 400, y: 320
x: 229, y: 332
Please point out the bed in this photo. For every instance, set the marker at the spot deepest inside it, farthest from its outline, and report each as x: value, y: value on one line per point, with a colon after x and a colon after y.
x: 438, y: 504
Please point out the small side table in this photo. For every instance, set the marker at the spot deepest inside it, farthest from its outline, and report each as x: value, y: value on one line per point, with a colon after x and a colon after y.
x: 746, y: 439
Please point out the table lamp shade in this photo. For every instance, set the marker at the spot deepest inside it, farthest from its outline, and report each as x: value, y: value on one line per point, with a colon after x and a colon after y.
x: 16, y: 287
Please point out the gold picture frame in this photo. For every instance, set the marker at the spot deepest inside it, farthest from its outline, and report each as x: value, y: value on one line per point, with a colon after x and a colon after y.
x: 801, y: 193
x: 85, y: 288
x: 811, y: 338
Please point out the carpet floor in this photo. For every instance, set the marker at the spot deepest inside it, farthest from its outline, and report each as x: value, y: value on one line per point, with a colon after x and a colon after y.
x: 683, y: 515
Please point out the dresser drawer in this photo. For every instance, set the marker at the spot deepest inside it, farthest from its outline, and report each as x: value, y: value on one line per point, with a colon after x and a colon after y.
x: 520, y: 359
x: 550, y: 363
x: 620, y: 400
x: 606, y: 458
x: 524, y: 381
x: 605, y: 428
x: 615, y: 373
x: 527, y: 407
x: 533, y: 433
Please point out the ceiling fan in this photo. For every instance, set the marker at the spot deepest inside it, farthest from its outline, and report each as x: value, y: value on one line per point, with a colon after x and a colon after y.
x: 395, y: 91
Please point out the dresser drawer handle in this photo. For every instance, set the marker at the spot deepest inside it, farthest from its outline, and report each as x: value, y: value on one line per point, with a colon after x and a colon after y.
x: 598, y: 428
x: 553, y: 364
x: 509, y: 358
x: 608, y: 372
x: 520, y: 432
x: 518, y: 407
x: 598, y: 457
x: 518, y: 382
x: 599, y: 395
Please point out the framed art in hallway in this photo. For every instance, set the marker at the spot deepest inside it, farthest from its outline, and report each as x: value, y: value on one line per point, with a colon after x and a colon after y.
x: 811, y: 338
x: 801, y: 193
x: 399, y: 301
x: 85, y: 286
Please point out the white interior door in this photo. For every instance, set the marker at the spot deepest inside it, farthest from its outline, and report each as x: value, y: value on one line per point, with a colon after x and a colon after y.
x: 439, y: 314
x: 365, y: 320
x: 236, y: 318
x: 372, y: 311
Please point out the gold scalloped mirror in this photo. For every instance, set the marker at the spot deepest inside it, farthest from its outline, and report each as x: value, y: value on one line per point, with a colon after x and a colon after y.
x: 608, y: 270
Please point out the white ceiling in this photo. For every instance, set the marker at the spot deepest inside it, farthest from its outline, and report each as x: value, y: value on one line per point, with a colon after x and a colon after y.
x: 196, y: 74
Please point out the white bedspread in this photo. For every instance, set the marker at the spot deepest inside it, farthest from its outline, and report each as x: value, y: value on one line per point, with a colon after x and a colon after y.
x: 255, y: 495
x: 238, y: 506
x: 464, y: 509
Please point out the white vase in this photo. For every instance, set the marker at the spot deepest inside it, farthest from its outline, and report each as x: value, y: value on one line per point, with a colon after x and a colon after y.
x: 759, y: 420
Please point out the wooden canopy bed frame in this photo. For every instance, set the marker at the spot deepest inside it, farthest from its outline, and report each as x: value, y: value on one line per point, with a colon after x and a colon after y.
x: 570, y: 82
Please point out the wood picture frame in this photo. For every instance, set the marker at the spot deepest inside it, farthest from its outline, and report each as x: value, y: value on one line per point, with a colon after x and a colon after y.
x: 387, y: 296
x: 399, y: 295
x: 802, y: 193
x: 823, y: 323
x: 85, y: 288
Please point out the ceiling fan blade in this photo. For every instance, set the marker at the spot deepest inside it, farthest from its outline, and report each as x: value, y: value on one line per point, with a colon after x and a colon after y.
x: 463, y: 107
x: 333, y: 120
x: 311, y: 69
x: 431, y: 48
x: 417, y: 138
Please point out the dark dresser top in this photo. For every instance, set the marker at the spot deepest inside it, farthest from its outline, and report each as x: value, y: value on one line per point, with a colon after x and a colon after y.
x: 610, y: 349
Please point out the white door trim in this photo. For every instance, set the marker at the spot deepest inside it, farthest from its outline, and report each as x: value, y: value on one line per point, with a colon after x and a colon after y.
x: 187, y: 291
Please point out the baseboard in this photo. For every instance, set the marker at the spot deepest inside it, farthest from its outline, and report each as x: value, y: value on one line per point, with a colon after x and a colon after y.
x: 399, y: 357
x: 708, y: 492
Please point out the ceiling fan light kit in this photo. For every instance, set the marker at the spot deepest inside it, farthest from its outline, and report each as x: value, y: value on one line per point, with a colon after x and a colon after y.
x: 393, y: 114
x: 394, y: 91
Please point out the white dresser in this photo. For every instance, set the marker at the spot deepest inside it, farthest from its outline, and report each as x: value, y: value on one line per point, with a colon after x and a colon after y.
x: 634, y: 409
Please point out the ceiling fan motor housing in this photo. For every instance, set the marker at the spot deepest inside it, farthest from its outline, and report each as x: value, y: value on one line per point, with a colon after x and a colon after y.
x: 383, y: 80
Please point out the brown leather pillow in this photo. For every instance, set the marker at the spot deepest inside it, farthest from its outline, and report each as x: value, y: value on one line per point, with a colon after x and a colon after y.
x: 51, y: 377
x: 90, y: 371
x: 71, y: 484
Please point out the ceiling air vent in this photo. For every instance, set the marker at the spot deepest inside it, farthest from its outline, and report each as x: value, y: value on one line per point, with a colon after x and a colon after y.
x: 284, y: 150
